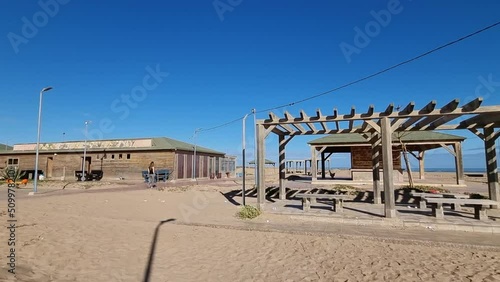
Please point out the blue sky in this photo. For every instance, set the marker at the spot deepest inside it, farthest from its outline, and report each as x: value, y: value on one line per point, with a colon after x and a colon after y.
x: 213, y: 65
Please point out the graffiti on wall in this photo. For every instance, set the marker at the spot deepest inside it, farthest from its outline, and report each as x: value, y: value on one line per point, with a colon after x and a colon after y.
x: 79, y: 145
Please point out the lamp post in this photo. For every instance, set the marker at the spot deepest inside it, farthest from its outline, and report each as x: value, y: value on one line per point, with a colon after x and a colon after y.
x: 254, y: 112
x: 194, y: 153
x: 87, y: 122
x: 243, y: 159
x: 35, y: 185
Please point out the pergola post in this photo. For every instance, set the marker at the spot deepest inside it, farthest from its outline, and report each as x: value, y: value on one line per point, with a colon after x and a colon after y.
x: 260, y: 162
x: 282, y: 145
x: 281, y: 139
x: 459, y: 165
x: 491, y: 164
x: 323, y: 165
x: 389, y: 201
x: 314, y: 168
x: 421, y: 164
x: 375, y: 142
x: 305, y: 167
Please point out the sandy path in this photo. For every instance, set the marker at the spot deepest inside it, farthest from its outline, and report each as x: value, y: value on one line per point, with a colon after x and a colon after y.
x: 107, y: 237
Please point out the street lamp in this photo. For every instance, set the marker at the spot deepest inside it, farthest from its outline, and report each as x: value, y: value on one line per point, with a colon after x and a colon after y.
x: 194, y: 153
x: 87, y: 122
x: 35, y: 186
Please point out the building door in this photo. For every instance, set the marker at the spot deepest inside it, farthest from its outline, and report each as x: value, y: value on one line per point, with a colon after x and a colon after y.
x: 180, y: 166
x: 50, y: 166
x: 88, y: 161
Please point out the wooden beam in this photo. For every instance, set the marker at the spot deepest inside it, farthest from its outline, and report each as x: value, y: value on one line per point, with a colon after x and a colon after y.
x: 451, y: 106
x: 273, y: 117
x: 388, y: 110
x: 323, y: 124
x: 459, y: 164
x: 369, y: 112
x: 390, y: 203
x: 491, y: 165
x: 477, y: 132
x: 278, y: 132
x: 427, y: 111
x: 408, y: 109
x: 472, y: 105
x: 373, y: 125
x: 260, y: 162
x: 428, y: 108
x: 447, y: 149
x: 375, y: 142
x: 481, y: 120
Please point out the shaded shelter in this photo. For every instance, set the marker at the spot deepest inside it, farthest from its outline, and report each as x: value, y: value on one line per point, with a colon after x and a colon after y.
x: 377, y: 129
x: 416, y: 143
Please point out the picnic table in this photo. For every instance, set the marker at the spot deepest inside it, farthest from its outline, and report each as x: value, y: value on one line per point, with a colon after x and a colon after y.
x: 422, y: 196
x: 338, y: 200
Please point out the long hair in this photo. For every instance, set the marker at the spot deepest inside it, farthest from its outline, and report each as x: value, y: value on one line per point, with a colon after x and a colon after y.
x: 152, y: 164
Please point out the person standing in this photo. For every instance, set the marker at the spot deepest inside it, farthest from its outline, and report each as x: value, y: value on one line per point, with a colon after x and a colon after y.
x: 151, y: 175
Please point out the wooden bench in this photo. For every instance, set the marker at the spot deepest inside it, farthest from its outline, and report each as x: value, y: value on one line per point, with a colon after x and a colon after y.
x: 422, y: 204
x: 338, y: 200
x: 480, y: 206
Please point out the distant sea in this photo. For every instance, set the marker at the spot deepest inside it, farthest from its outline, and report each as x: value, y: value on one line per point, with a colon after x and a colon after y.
x: 430, y: 169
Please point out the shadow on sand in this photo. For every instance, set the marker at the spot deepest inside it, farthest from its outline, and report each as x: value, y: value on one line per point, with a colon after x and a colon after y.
x: 147, y: 273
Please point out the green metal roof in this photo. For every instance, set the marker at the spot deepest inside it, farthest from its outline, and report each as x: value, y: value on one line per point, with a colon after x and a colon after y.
x: 164, y: 143
x: 409, y: 137
x: 158, y: 143
x: 4, y: 147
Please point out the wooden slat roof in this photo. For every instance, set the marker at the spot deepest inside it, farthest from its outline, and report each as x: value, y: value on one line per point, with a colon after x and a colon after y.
x: 427, y: 118
x: 407, y: 137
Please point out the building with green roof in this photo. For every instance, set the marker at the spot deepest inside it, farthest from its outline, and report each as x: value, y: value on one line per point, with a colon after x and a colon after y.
x: 120, y: 158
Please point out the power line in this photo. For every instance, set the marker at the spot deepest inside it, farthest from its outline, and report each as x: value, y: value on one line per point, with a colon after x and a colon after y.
x: 222, y: 125
x: 366, y: 77
x: 384, y: 70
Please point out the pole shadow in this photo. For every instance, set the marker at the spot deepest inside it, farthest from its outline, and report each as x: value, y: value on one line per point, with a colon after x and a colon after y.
x: 149, y: 267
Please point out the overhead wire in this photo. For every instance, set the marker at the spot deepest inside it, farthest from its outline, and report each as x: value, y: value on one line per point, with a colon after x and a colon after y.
x: 365, y: 77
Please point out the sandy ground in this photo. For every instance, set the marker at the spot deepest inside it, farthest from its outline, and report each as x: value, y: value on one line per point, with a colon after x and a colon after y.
x: 115, y: 232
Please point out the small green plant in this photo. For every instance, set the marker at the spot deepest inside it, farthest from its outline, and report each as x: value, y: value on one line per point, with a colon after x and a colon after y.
x: 248, y: 212
x: 477, y: 196
x: 427, y: 189
x: 12, y: 174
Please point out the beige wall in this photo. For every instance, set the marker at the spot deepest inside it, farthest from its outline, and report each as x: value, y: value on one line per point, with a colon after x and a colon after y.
x: 112, y: 167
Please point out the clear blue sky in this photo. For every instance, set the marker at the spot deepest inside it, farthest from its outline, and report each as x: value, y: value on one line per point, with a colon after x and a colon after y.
x: 222, y: 63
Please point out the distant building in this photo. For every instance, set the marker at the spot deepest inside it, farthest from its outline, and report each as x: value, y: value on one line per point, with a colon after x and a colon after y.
x: 125, y: 158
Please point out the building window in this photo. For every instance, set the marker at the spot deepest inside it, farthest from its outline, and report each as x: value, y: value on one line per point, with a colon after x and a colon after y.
x: 120, y: 156
x: 13, y: 162
x: 128, y: 156
x: 113, y: 157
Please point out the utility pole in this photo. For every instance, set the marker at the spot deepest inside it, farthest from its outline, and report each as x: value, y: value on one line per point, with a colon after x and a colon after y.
x: 194, y: 153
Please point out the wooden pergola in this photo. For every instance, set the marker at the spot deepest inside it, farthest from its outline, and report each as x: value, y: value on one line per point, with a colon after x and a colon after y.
x: 377, y: 128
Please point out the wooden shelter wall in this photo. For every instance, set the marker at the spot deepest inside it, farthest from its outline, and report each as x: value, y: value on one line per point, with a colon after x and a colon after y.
x: 361, y: 158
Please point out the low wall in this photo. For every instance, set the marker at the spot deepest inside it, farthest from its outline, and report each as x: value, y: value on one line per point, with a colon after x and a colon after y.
x: 360, y: 174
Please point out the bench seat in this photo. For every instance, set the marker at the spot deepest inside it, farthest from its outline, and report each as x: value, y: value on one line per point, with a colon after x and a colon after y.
x: 480, y: 206
x: 423, y: 195
x: 338, y: 200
